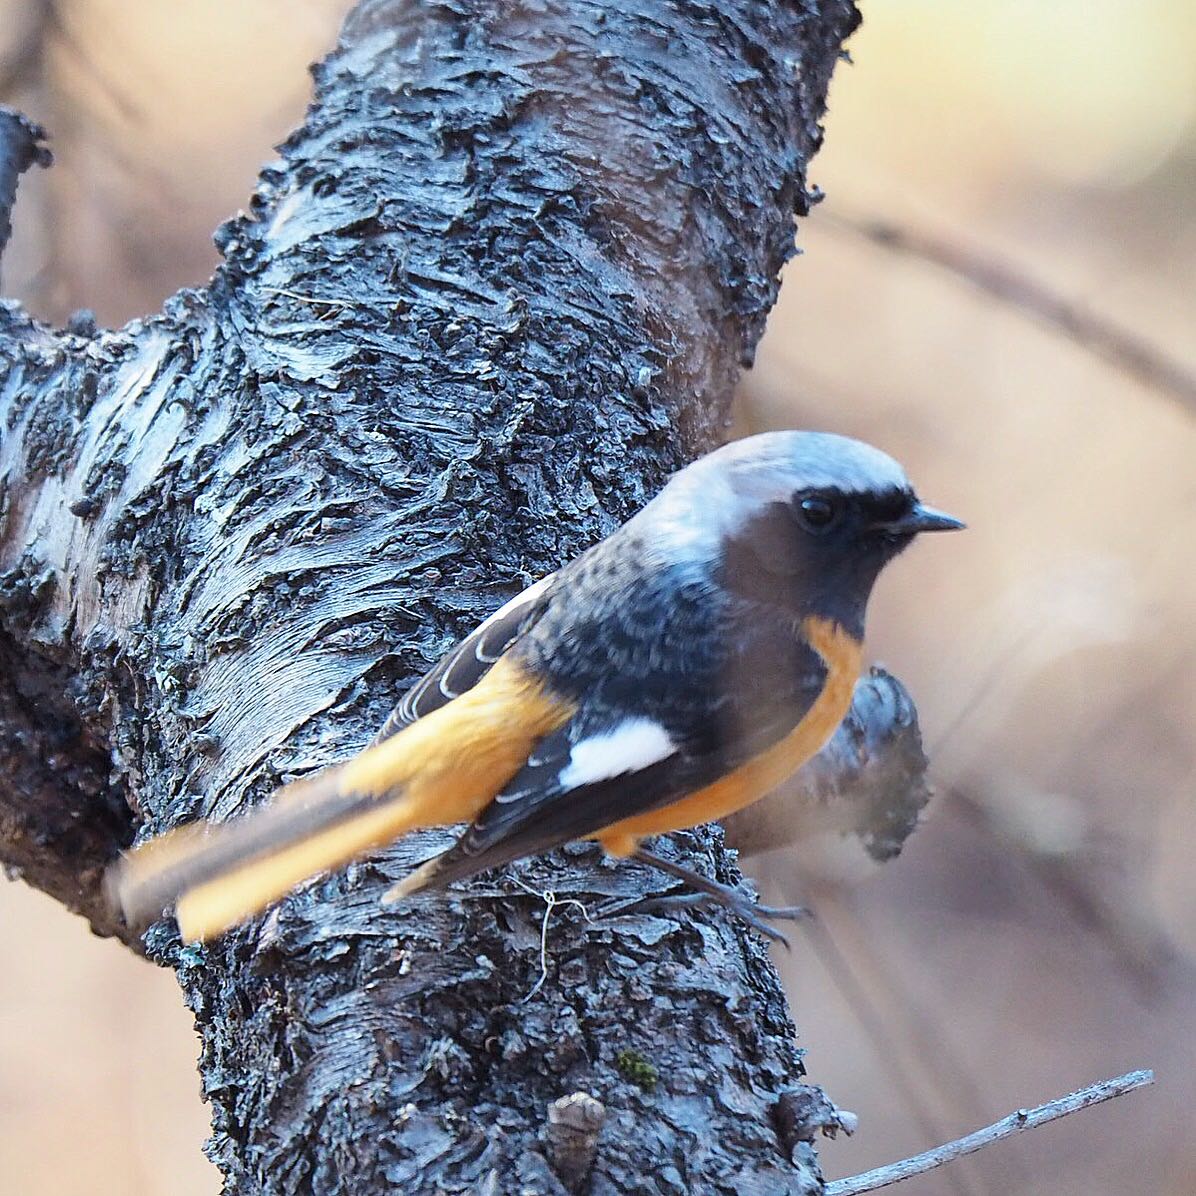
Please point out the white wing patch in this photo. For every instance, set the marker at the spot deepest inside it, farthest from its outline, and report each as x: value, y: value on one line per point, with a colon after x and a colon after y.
x: 629, y: 747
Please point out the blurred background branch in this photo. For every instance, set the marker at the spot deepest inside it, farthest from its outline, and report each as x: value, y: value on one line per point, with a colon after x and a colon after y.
x: 1008, y: 283
x: 23, y: 52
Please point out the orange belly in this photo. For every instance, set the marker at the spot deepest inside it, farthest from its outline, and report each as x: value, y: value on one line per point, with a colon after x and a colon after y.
x: 842, y: 654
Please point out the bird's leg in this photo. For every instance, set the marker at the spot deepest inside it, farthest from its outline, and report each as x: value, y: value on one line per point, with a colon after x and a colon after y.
x: 739, y: 903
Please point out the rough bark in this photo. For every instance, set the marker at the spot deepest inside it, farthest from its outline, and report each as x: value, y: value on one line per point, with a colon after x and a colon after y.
x: 496, y: 288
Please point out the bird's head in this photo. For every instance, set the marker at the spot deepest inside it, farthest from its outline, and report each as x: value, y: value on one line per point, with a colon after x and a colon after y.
x: 800, y: 520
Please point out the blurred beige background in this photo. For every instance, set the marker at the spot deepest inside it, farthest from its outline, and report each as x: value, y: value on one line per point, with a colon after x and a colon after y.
x: 1039, y: 932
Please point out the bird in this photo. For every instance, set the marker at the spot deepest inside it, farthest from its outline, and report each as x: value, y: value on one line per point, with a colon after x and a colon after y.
x: 668, y: 676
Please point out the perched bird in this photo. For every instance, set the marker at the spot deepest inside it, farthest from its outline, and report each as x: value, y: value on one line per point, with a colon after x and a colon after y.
x: 670, y: 675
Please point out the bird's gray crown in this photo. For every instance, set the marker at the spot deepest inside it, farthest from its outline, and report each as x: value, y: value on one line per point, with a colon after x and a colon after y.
x: 715, y: 496
x: 775, y: 465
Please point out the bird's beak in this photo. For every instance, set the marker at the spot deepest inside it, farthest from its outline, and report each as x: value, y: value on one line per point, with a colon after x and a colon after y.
x: 921, y: 519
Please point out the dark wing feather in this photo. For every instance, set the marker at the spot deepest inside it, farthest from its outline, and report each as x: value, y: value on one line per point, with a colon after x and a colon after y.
x: 466, y: 664
x: 535, y: 813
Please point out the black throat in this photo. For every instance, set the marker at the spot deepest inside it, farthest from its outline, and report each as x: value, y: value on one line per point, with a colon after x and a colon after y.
x: 774, y: 561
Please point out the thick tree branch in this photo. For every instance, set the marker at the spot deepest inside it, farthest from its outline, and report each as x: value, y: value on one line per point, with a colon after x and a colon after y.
x: 498, y: 285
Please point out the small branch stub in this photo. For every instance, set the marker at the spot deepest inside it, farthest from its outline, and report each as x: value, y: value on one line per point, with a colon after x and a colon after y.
x: 21, y: 146
x: 571, y: 1136
x: 869, y: 782
x: 803, y: 1112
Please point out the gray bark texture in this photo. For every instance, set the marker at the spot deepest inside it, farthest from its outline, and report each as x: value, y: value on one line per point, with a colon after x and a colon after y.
x: 498, y: 285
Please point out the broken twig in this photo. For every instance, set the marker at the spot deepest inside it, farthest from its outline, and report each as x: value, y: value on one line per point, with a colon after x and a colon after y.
x: 1015, y: 1123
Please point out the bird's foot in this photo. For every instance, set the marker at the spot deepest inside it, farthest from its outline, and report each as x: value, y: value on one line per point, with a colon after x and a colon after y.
x: 704, y: 890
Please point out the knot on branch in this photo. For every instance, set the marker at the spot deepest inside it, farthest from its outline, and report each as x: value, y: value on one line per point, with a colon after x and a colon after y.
x: 804, y: 1111
x: 869, y: 782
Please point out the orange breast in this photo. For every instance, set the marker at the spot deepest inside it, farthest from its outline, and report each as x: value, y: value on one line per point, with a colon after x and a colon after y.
x: 842, y: 654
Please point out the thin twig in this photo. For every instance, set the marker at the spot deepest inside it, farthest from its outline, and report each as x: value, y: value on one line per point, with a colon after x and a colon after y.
x: 1106, y: 339
x: 1015, y: 1123
x: 863, y: 997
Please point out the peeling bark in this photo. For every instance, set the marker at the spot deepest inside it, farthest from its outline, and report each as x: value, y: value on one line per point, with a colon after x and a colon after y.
x: 496, y: 288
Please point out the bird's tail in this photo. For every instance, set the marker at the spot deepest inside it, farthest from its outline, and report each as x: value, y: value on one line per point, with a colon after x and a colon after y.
x: 218, y: 874
x: 443, y: 768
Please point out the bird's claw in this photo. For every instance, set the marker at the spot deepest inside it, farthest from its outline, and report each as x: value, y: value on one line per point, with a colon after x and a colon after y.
x: 742, y: 905
x: 760, y: 917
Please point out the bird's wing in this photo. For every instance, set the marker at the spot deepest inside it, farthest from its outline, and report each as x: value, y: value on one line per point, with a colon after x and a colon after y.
x: 466, y: 664
x: 578, y: 781
x: 443, y: 768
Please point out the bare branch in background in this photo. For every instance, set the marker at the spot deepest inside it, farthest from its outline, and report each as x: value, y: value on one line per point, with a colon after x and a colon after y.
x: 1149, y: 364
x: 1015, y: 1123
x: 21, y: 62
x: 1131, y: 934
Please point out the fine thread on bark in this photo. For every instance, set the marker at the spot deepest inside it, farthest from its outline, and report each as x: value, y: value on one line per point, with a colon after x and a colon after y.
x: 550, y: 903
x: 1015, y: 1123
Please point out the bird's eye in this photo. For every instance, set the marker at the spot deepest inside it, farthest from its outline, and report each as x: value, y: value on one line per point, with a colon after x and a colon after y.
x: 817, y: 513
